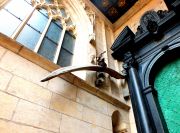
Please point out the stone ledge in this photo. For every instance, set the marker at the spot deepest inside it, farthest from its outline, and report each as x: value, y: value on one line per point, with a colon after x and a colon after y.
x: 39, y: 60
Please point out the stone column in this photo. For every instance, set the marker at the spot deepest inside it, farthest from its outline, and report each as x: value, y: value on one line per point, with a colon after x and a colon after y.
x: 137, y: 99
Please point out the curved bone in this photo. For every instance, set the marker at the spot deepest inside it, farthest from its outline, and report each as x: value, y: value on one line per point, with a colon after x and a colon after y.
x: 69, y: 69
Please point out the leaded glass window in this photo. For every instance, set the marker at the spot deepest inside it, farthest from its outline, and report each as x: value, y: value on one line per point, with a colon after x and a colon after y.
x: 18, y: 8
x: 28, y: 37
x: 38, y: 21
x: 8, y: 23
x: 38, y: 31
x: 48, y: 49
x: 54, y: 32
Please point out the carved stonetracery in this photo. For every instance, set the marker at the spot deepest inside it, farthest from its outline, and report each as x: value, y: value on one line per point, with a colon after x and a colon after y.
x: 55, y: 12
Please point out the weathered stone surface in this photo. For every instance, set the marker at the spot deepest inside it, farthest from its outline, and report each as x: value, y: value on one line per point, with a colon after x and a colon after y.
x: 2, y: 51
x: 4, y: 79
x: 96, y: 129
x: 71, y: 125
x: 97, y: 118
x: 29, y: 91
x: 66, y: 106
x: 10, y: 127
x: 37, y: 116
x: 23, y: 68
x: 8, y: 104
x: 91, y: 101
x: 63, y: 88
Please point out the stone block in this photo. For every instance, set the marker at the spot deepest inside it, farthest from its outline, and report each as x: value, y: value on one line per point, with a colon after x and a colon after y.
x: 97, y: 118
x: 10, y: 127
x: 63, y: 88
x: 34, y: 115
x: 96, y: 129
x: 23, y: 68
x: 71, y: 125
x: 4, y: 79
x: 29, y: 91
x: 2, y: 51
x: 8, y: 104
x: 91, y: 101
x: 66, y: 106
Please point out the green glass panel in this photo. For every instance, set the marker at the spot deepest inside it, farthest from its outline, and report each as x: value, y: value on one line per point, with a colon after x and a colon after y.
x: 167, y: 83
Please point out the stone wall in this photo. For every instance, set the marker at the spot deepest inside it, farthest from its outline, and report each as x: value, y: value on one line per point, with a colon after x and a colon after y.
x: 57, y: 106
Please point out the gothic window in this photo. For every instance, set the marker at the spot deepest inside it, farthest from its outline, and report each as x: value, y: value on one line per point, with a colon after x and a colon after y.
x: 46, y: 31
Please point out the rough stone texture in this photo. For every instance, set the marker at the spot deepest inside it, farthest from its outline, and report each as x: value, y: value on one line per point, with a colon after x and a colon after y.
x: 23, y: 68
x: 4, y: 79
x: 63, y: 88
x: 66, y: 106
x: 96, y: 129
x: 37, y: 116
x: 91, y: 101
x: 29, y: 91
x: 97, y: 118
x: 71, y: 125
x: 8, y: 104
x: 10, y: 127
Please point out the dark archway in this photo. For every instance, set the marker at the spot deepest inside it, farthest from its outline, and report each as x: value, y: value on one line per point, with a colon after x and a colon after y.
x: 163, y: 74
x: 115, y: 121
x: 144, y: 54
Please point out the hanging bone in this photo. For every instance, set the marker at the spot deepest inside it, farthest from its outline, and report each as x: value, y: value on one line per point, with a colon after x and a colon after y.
x: 101, y: 67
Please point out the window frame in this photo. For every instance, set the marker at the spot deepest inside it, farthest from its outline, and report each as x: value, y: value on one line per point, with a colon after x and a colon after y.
x: 37, y: 46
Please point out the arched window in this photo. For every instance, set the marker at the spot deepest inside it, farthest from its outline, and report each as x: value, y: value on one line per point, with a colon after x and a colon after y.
x: 45, y: 28
x: 117, y: 125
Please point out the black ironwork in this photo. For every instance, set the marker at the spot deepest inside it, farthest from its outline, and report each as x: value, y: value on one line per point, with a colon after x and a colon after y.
x: 157, y: 39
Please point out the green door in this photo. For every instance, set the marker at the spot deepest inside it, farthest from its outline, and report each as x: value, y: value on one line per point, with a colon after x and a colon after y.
x: 167, y: 84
